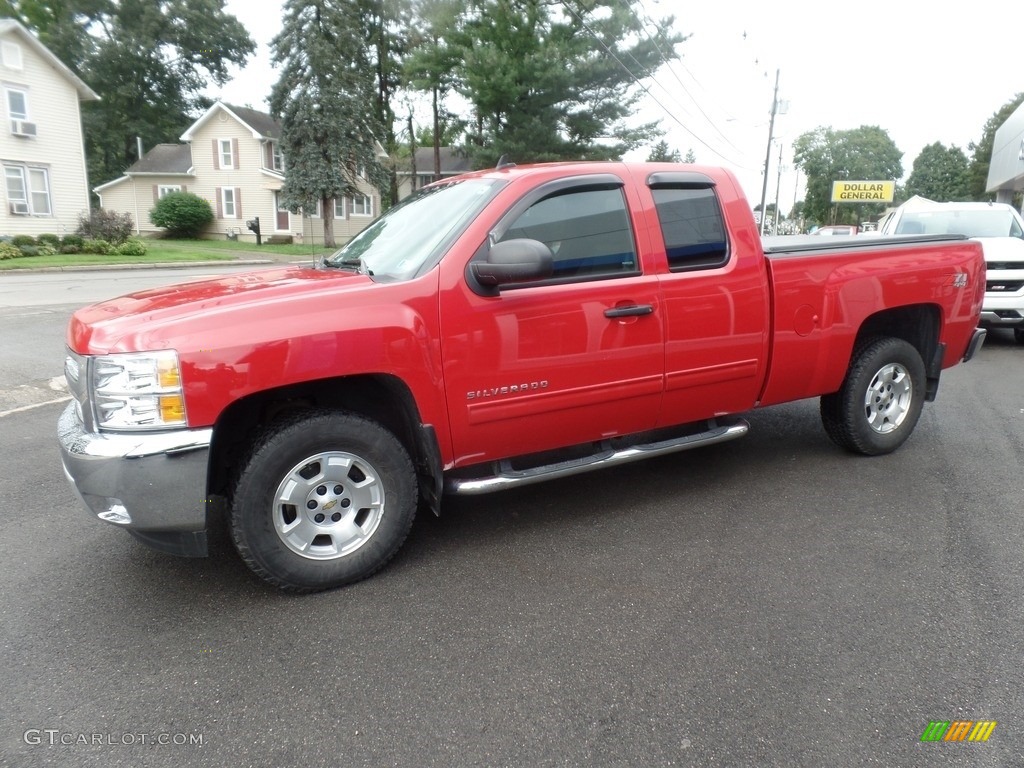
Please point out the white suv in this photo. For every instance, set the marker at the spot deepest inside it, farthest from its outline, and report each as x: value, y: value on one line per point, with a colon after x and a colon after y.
x: 1000, y: 230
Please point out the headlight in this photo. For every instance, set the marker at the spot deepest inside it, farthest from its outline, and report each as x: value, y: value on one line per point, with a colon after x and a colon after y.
x: 138, y: 391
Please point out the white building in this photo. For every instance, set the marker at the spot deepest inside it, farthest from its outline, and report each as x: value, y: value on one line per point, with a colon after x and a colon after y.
x: 41, y: 144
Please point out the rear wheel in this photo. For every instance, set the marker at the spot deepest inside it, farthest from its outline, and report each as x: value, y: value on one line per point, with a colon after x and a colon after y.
x: 880, y: 402
x: 325, y: 499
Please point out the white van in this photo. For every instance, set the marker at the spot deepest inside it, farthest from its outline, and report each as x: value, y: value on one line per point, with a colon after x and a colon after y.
x: 1000, y: 229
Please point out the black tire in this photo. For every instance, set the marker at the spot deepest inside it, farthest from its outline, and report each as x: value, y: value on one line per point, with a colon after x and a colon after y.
x: 348, y: 470
x: 880, y: 401
x: 1018, y: 335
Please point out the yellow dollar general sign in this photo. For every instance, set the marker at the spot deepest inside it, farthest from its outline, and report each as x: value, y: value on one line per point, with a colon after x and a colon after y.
x: 863, y: 191
x: 958, y: 730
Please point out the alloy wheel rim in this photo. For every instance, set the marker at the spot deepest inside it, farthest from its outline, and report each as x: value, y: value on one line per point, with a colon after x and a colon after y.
x: 328, y: 505
x: 888, y: 398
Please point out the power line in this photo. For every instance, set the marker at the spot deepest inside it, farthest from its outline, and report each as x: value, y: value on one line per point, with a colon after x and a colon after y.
x: 646, y: 90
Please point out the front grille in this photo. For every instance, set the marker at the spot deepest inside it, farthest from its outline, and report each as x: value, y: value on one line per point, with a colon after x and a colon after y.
x: 1004, y: 286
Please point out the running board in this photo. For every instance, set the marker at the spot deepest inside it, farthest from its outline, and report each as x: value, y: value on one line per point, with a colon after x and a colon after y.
x: 507, y: 477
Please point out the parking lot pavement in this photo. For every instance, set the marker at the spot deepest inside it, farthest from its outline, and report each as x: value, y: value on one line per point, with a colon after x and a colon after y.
x: 766, y: 602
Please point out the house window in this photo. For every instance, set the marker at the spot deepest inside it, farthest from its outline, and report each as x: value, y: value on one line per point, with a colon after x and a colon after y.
x: 10, y: 53
x: 39, y: 186
x: 278, y: 157
x: 28, y: 190
x: 227, y: 159
x: 163, y: 191
x: 362, y: 205
x: 227, y: 200
x: 17, y: 104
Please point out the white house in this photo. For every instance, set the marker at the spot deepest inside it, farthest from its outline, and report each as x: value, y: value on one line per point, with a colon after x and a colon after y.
x: 41, y: 145
x: 232, y: 158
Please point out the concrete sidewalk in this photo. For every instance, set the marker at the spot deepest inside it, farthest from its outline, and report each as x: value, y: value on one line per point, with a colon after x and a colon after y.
x: 275, y: 258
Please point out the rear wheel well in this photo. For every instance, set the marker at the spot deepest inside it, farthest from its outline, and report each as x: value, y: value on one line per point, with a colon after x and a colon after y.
x: 918, y: 325
x: 382, y: 398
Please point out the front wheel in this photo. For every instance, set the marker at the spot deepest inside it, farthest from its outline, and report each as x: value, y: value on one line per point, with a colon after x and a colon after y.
x: 1018, y: 335
x: 880, y: 401
x: 325, y: 499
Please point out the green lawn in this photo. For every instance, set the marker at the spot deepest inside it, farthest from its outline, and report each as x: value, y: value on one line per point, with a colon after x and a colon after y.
x: 162, y: 251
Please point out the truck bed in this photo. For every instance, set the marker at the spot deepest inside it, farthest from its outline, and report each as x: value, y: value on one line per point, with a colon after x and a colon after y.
x: 825, y: 289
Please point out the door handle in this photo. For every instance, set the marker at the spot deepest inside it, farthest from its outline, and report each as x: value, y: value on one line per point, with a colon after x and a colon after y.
x: 633, y: 310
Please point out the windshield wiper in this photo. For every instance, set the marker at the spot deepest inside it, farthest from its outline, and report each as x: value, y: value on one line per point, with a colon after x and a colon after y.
x: 354, y: 262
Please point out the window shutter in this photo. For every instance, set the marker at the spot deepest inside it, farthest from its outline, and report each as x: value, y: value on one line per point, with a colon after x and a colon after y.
x: 268, y: 155
x: 156, y: 193
x: 220, y: 204
x: 216, y: 155
x: 234, y: 153
x: 238, y: 202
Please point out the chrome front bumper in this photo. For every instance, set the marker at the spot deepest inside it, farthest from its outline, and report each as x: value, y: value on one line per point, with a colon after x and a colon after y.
x: 153, y: 484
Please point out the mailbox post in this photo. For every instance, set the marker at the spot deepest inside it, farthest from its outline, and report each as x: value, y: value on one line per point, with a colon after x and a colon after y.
x: 254, y: 226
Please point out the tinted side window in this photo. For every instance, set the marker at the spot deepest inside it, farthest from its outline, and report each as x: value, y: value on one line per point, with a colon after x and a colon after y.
x: 692, y: 226
x: 587, y: 231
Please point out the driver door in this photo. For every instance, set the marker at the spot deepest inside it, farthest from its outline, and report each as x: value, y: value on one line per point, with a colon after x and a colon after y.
x: 561, y: 361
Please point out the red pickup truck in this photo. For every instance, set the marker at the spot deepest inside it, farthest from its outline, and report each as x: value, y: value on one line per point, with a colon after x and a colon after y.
x: 501, y: 328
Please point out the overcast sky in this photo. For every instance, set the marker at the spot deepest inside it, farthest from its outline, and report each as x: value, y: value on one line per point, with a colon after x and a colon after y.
x: 922, y: 71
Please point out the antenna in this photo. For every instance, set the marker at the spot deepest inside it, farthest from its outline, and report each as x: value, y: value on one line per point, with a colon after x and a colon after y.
x: 503, y: 162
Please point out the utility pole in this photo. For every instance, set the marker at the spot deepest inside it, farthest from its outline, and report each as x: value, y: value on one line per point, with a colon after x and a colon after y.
x: 778, y: 186
x: 768, y: 152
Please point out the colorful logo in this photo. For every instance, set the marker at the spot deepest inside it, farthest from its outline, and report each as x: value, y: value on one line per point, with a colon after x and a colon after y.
x: 958, y: 730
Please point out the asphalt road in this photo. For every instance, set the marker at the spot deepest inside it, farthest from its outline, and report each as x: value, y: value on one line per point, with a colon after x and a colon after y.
x: 766, y: 602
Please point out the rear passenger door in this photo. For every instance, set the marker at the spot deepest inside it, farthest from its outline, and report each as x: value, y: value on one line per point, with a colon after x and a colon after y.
x: 570, y: 359
x: 716, y: 302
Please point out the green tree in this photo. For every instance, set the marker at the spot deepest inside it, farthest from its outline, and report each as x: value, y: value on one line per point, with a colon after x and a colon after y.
x: 661, y: 153
x: 148, y: 61
x: 940, y: 174
x: 387, y: 27
x: 325, y: 99
x: 981, y: 153
x: 554, y: 81
x: 690, y: 157
x: 431, y: 67
x: 61, y: 25
x: 825, y: 156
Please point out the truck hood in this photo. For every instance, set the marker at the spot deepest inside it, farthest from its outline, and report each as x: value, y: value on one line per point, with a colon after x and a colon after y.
x: 99, y: 328
x: 1002, y: 249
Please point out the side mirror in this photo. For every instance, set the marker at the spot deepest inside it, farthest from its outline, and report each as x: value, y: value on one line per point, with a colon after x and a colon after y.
x: 514, y: 261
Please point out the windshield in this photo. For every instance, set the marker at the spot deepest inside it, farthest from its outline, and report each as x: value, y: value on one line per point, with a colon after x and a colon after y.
x: 995, y: 222
x: 414, y: 234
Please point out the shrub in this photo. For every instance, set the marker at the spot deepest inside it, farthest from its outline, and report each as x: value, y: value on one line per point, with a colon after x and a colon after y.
x: 48, y: 239
x: 70, y: 248
x: 28, y: 250
x: 182, y: 214
x: 45, y: 249
x: 96, y: 245
x: 103, y: 224
x: 132, y: 247
x: 20, y: 240
x: 75, y: 240
x: 8, y: 251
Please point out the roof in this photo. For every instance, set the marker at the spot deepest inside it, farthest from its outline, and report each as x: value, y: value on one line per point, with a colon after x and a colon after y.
x: 164, y: 158
x: 260, y: 124
x: 161, y: 160
x: 266, y: 125
x: 453, y: 161
x: 11, y: 26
